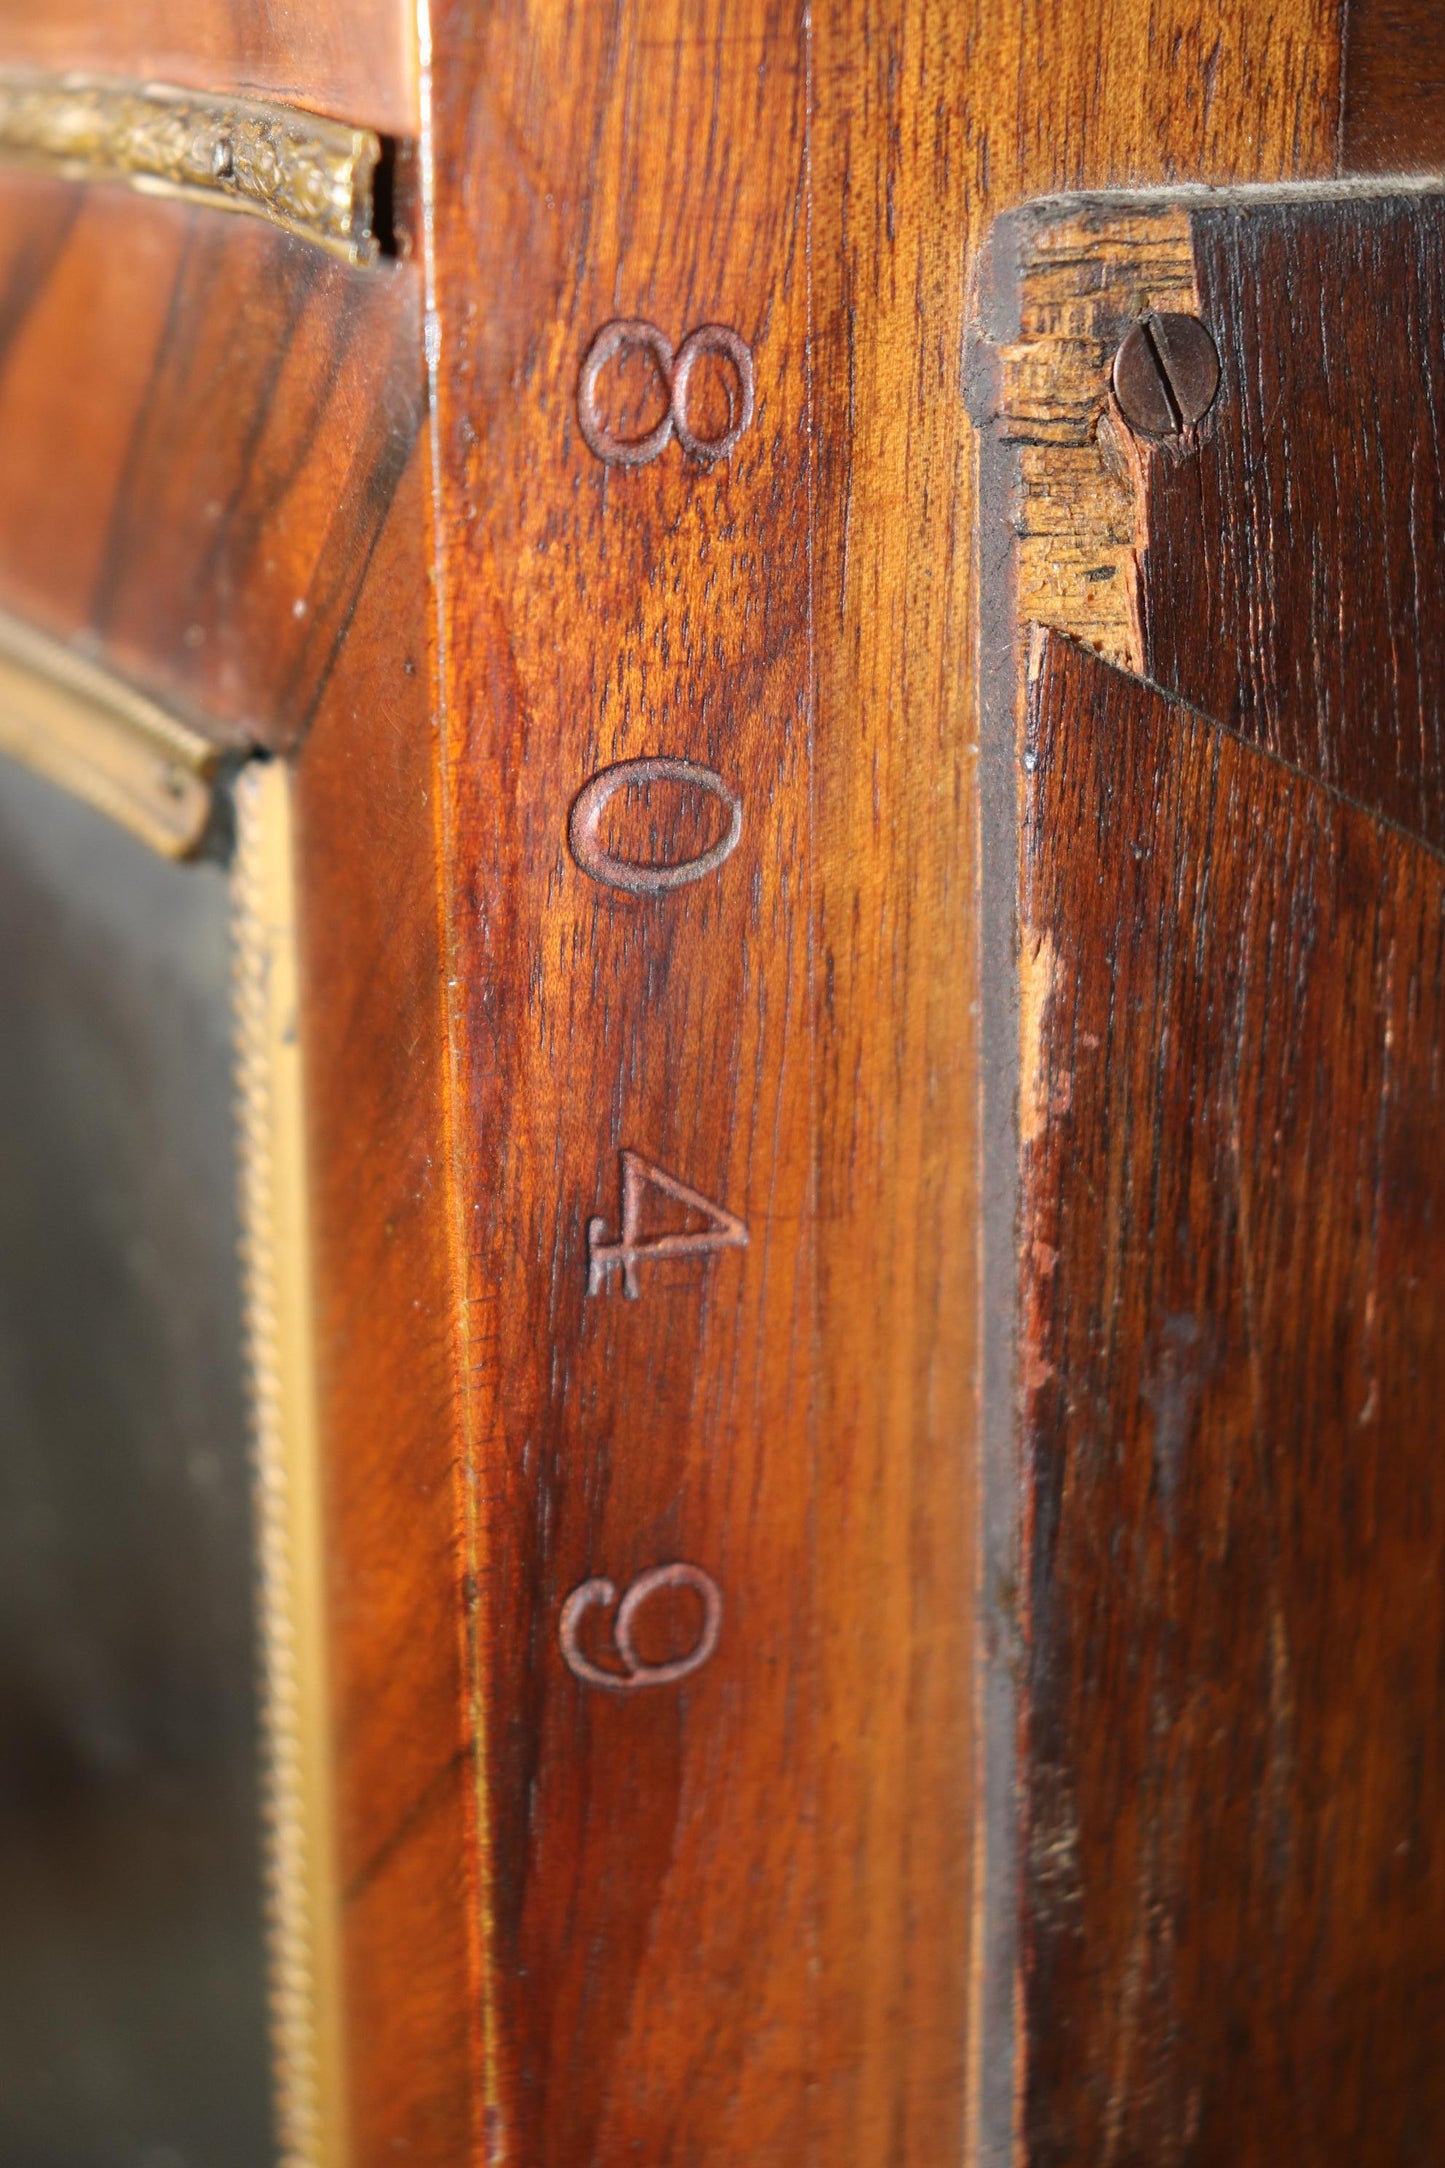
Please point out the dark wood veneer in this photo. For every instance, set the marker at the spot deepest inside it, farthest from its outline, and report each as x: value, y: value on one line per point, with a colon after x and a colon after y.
x: 1289, y: 585
x: 1218, y: 1033
x: 1232, y: 1251
x: 1392, y: 106
x: 204, y: 423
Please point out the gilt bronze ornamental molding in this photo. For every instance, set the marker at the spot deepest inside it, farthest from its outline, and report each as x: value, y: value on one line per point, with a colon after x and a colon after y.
x: 314, y: 177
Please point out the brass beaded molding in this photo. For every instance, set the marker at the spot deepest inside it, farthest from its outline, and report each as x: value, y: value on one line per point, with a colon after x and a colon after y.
x: 313, y: 177
x: 303, y: 1900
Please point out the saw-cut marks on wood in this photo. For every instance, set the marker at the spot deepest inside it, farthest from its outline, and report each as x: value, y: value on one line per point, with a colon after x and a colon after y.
x: 1059, y: 290
x: 633, y: 1248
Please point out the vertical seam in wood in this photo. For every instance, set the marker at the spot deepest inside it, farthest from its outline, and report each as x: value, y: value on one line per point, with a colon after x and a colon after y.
x: 814, y: 1170
x: 489, y: 2137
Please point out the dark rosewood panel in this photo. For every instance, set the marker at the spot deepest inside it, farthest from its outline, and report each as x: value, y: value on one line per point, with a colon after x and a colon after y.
x: 680, y: 1867
x: 1216, y: 1022
x: 1392, y: 107
x: 388, y: 1363
x: 1291, y: 578
x: 1231, y: 1368
x: 722, y: 1542
x: 632, y: 981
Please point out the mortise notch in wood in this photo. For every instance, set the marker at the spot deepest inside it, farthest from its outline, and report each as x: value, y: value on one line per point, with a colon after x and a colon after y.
x: 1213, y: 1008
x: 1059, y: 286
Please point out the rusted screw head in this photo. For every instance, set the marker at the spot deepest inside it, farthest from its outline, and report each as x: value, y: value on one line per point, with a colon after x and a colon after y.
x: 1165, y: 375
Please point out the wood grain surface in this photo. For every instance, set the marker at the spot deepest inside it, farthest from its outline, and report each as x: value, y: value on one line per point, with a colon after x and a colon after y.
x: 1230, y: 1368
x: 1215, y: 1038
x: 731, y: 1918
x: 353, y: 58
x: 388, y: 1361
x: 204, y: 423
x: 651, y: 1866
x: 1392, y: 103
x: 1288, y: 584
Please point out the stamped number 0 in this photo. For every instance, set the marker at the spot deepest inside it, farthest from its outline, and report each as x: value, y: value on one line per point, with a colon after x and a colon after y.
x: 584, y: 828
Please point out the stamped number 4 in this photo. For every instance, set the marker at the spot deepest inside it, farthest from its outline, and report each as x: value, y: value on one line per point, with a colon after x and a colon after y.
x: 724, y: 1230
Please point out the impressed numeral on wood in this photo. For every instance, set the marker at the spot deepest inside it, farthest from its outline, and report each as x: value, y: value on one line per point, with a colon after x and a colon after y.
x: 635, y: 1672
x: 584, y: 828
x: 629, y: 332
x: 632, y: 1248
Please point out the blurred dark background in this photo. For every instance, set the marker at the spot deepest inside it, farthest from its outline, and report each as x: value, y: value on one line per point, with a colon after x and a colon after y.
x: 132, y: 1979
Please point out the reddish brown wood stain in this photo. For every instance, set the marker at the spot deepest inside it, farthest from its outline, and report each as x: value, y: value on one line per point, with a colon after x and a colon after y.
x: 1227, y: 1072
x: 354, y: 58
x: 679, y: 1964
x: 1392, y: 109
x: 651, y: 1858
x: 389, y: 1368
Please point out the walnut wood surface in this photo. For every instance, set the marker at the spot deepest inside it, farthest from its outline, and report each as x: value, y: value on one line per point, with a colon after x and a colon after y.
x: 730, y: 1920
x: 1222, y: 1079
x: 388, y: 1364
x: 1232, y: 1258
x: 652, y: 1857
x: 1392, y: 106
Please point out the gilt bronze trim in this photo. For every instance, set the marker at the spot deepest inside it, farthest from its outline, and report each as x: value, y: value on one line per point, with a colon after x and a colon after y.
x: 304, y: 1910
x: 79, y: 726
x: 313, y: 177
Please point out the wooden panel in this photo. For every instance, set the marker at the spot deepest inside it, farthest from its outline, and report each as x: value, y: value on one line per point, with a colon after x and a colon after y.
x: 1289, y: 586
x: 353, y: 58
x: 1233, y: 1255
x: 676, y: 1965
x: 1216, y: 1038
x: 1392, y: 111
x: 651, y: 1878
x: 731, y: 1919
x: 388, y: 1365
x: 204, y: 422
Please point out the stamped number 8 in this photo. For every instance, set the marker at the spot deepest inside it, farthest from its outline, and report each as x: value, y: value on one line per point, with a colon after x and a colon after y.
x: 676, y: 372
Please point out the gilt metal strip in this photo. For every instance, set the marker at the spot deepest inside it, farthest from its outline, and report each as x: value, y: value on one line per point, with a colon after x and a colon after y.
x: 304, y: 1908
x: 85, y: 729
x: 314, y: 177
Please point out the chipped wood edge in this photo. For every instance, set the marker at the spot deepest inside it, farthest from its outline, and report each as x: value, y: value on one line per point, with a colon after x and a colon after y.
x: 1081, y: 276
x: 1060, y: 530
x: 87, y: 731
x: 313, y: 177
x: 303, y: 1905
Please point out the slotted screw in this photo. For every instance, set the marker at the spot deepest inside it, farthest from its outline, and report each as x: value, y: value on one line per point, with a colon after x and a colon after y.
x: 1166, y: 374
